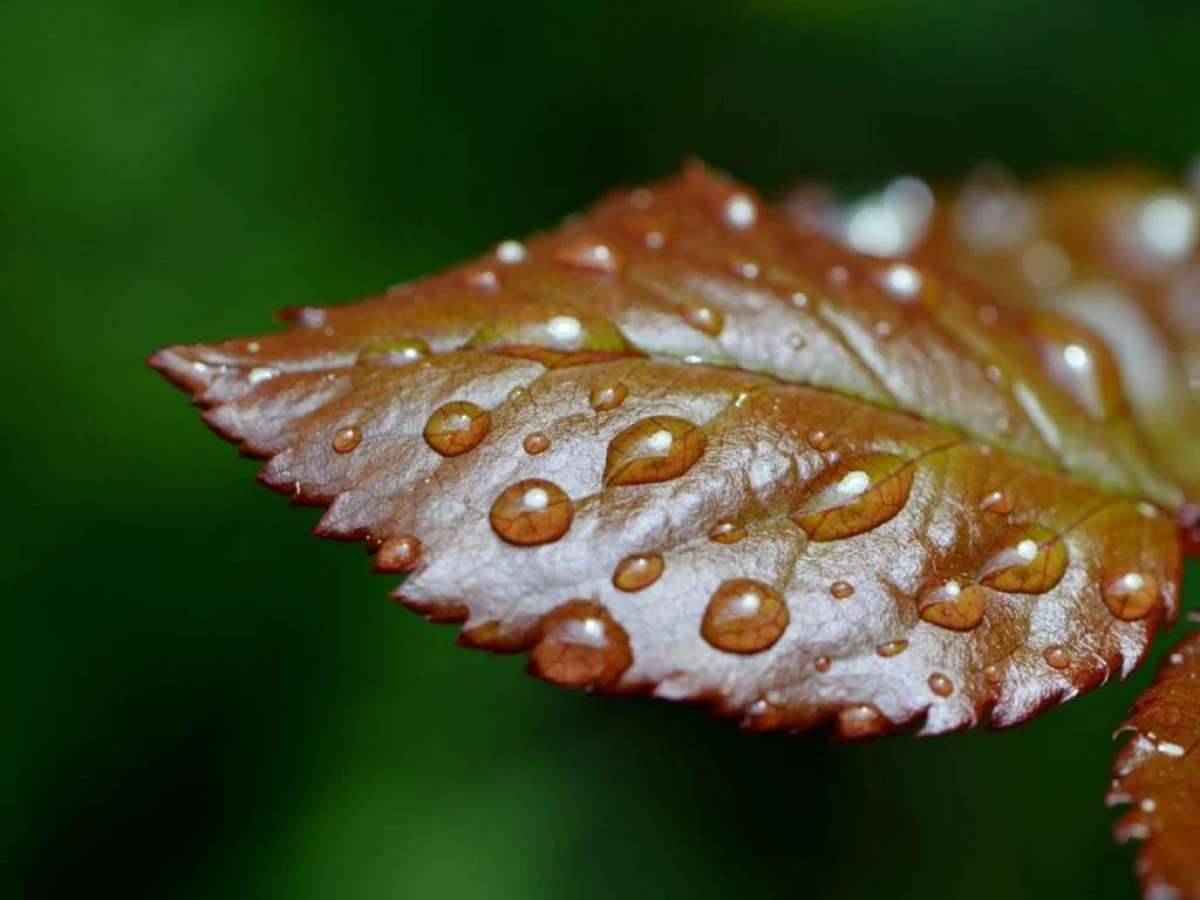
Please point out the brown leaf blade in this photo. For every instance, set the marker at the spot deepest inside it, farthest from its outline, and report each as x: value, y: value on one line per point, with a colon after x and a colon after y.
x: 1157, y: 772
x: 672, y: 448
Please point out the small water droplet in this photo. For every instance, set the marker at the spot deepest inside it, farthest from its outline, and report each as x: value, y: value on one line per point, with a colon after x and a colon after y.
x: 511, y: 252
x: 741, y: 211
x: 605, y: 397
x: 641, y: 198
x: 746, y: 268
x: 841, y: 590
x: 532, y: 512
x: 1167, y: 748
x: 861, y: 722
x: 727, y: 532
x: 456, y: 427
x: 398, y: 554
x: 399, y: 352
x: 822, y: 664
x: 744, y: 616
x: 655, y: 449
x: 993, y: 374
x: 536, y: 442
x: 708, y: 319
x: 952, y: 605
x: 1058, y: 657
x: 883, y: 329
x: 902, y: 281
x: 261, y: 374
x: 580, y: 645
x: 1130, y: 596
x: 941, y: 685
x: 799, y: 299
x: 638, y: 571
x: 795, y: 340
x: 891, y: 648
x: 482, y: 280
x: 838, y: 276
x: 590, y: 254
x: 819, y: 440
x: 993, y: 674
x: 347, y: 439
x: 997, y: 502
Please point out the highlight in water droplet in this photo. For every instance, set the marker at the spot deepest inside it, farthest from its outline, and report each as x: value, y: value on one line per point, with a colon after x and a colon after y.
x: 744, y: 616
x: 530, y: 512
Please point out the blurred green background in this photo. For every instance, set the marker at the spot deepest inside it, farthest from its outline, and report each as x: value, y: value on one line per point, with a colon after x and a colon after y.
x: 202, y: 701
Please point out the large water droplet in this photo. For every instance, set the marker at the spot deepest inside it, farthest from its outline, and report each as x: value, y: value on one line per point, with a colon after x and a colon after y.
x: 604, y: 397
x: 580, y: 645
x: 456, y: 427
x: 347, y: 439
x: 854, y: 495
x: 399, y: 553
x: 952, y: 605
x: 744, y: 616
x: 655, y: 449
x: 638, y: 571
x: 532, y: 512
x: 1130, y: 596
x: 1029, y: 560
x: 590, y: 254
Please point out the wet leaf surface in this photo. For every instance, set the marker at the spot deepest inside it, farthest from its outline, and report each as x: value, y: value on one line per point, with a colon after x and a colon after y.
x: 681, y: 446
x: 1157, y: 773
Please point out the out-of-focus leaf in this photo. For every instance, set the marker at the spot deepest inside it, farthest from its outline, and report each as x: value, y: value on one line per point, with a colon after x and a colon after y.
x: 1158, y: 773
x: 1116, y: 252
x: 681, y: 446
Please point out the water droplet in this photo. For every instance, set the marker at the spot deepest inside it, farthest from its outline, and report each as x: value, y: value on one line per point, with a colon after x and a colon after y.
x: 1080, y: 363
x: 580, y: 645
x: 258, y: 375
x: 347, y: 439
x: 1130, y: 596
x: 891, y: 648
x: 951, y: 605
x: 861, y: 722
x: 854, y: 495
x: 708, y: 319
x: 456, y: 427
x: 841, y: 590
x: 641, y: 198
x: 1168, y: 748
x: 799, y: 299
x: 532, y: 512
x: 883, y: 329
x: 993, y: 674
x: 1030, y: 560
x: 655, y: 449
x: 638, y: 571
x: 398, y: 554
x: 997, y: 502
x: 482, y: 280
x: 399, y: 352
x: 822, y: 664
x: 536, y: 442
x: 795, y: 340
x: 1167, y: 227
x: 741, y: 211
x: 727, y: 532
x: 511, y: 252
x: 587, y: 253
x: 902, y: 281
x: 746, y: 268
x: 819, y: 440
x: 941, y: 685
x: 1058, y: 657
x: 744, y: 616
x: 604, y: 397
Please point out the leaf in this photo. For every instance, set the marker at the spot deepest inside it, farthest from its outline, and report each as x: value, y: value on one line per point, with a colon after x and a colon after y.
x: 1158, y: 772
x: 1114, y: 252
x: 680, y: 446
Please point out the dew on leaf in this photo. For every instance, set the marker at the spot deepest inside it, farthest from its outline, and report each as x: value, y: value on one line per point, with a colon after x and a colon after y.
x: 457, y: 427
x: 744, y: 616
x: 530, y: 512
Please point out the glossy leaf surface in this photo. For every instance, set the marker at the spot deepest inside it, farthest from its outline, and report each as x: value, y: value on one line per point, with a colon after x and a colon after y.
x: 682, y: 446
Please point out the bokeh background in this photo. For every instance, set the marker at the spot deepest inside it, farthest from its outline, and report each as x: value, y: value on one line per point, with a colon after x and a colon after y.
x: 200, y: 700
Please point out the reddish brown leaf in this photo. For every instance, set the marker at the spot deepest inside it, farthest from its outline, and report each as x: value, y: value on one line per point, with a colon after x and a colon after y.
x: 1158, y: 773
x: 681, y: 446
x: 1115, y: 254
